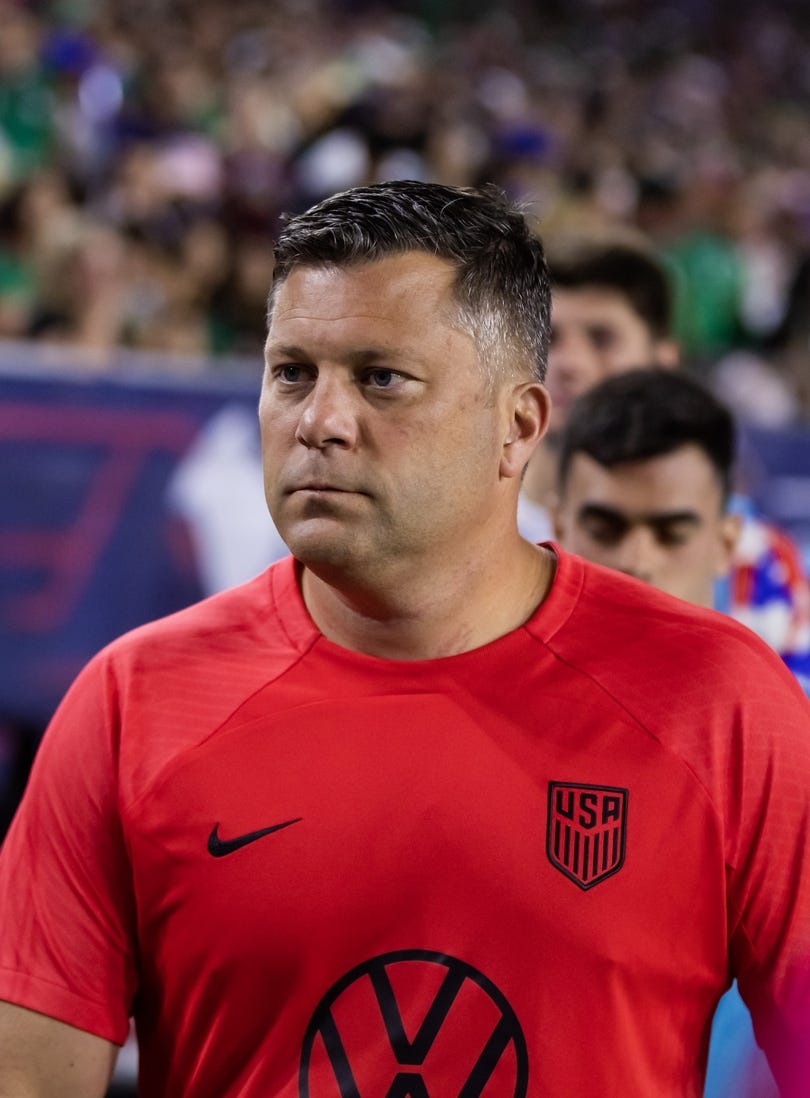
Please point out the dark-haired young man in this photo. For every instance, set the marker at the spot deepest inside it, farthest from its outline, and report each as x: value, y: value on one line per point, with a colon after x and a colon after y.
x: 611, y: 315
x: 645, y: 465
x: 424, y: 808
x: 611, y: 312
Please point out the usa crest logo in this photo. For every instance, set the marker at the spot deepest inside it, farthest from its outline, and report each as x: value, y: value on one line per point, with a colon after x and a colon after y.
x: 587, y: 831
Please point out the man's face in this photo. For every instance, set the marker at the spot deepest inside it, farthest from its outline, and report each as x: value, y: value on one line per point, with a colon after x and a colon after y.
x: 381, y: 438
x: 596, y: 334
x: 660, y: 520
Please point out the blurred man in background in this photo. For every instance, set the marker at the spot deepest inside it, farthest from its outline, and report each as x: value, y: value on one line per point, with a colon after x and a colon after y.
x: 645, y: 471
x: 645, y: 468
x: 611, y: 314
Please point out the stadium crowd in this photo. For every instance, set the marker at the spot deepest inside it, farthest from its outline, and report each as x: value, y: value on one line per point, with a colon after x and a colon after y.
x: 148, y: 148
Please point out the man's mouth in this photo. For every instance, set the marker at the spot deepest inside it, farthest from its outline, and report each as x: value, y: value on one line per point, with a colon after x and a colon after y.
x: 317, y: 487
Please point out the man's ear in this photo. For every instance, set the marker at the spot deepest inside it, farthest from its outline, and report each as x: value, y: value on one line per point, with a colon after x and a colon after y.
x: 730, y: 530
x: 529, y: 406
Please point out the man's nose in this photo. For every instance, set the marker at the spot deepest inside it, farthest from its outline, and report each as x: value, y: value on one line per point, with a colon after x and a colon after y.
x: 639, y: 554
x: 328, y: 415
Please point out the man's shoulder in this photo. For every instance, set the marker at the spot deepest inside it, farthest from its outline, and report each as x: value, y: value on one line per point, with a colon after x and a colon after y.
x: 208, y: 656
x: 223, y: 610
x: 631, y: 637
x: 703, y: 686
x: 250, y: 615
x: 594, y: 589
x: 164, y: 687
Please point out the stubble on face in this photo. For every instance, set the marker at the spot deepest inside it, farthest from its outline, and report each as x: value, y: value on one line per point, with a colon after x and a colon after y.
x: 414, y: 461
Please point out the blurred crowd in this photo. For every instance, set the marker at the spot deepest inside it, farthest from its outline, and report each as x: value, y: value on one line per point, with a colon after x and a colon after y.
x: 149, y: 147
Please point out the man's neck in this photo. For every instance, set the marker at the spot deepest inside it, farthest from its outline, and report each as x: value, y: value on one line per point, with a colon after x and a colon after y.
x: 432, y: 616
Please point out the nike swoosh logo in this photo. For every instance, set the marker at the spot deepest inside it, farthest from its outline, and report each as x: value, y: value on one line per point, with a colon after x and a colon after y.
x: 218, y: 848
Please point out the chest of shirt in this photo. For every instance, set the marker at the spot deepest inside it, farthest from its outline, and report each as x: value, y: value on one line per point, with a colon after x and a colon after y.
x: 337, y: 862
x: 389, y: 811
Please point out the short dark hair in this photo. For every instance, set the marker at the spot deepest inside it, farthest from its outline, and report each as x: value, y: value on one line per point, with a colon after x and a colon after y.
x: 645, y: 414
x: 632, y: 271
x: 502, y: 284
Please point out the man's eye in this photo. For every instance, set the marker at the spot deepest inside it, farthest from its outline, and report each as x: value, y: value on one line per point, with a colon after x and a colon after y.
x: 605, y: 531
x: 672, y: 535
x: 290, y: 374
x: 602, y: 338
x: 382, y: 378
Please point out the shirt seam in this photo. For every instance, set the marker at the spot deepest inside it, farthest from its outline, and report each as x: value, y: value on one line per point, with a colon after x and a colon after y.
x: 131, y: 807
x: 643, y: 727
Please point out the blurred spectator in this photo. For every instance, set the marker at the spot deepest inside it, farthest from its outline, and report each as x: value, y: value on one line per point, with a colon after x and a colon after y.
x: 26, y: 101
x: 611, y: 315
x: 791, y: 343
x: 157, y: 122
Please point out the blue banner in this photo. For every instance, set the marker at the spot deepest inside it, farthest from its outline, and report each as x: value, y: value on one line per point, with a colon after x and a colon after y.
x: 99, y: 525
x: 125, y: 498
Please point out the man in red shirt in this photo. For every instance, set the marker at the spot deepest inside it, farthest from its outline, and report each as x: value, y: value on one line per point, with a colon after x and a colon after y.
x: 424, y: 809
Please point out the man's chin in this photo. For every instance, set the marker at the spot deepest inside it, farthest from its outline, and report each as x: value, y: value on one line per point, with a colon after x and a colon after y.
x: 322, y: 548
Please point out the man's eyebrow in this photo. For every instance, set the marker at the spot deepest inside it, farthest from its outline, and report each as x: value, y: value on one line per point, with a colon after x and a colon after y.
x: 651, y: 518
x: 601, y: 510
x: 285, y: 350
x: 659, y: 518
x: 371, y: 355
x: 368, y: 356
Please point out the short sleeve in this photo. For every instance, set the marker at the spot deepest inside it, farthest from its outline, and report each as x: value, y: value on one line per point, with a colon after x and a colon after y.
x: 66, y: 937
x: 769, y: 883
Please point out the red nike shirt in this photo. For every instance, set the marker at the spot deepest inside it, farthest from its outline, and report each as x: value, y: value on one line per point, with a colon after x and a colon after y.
x: 529, y: 869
